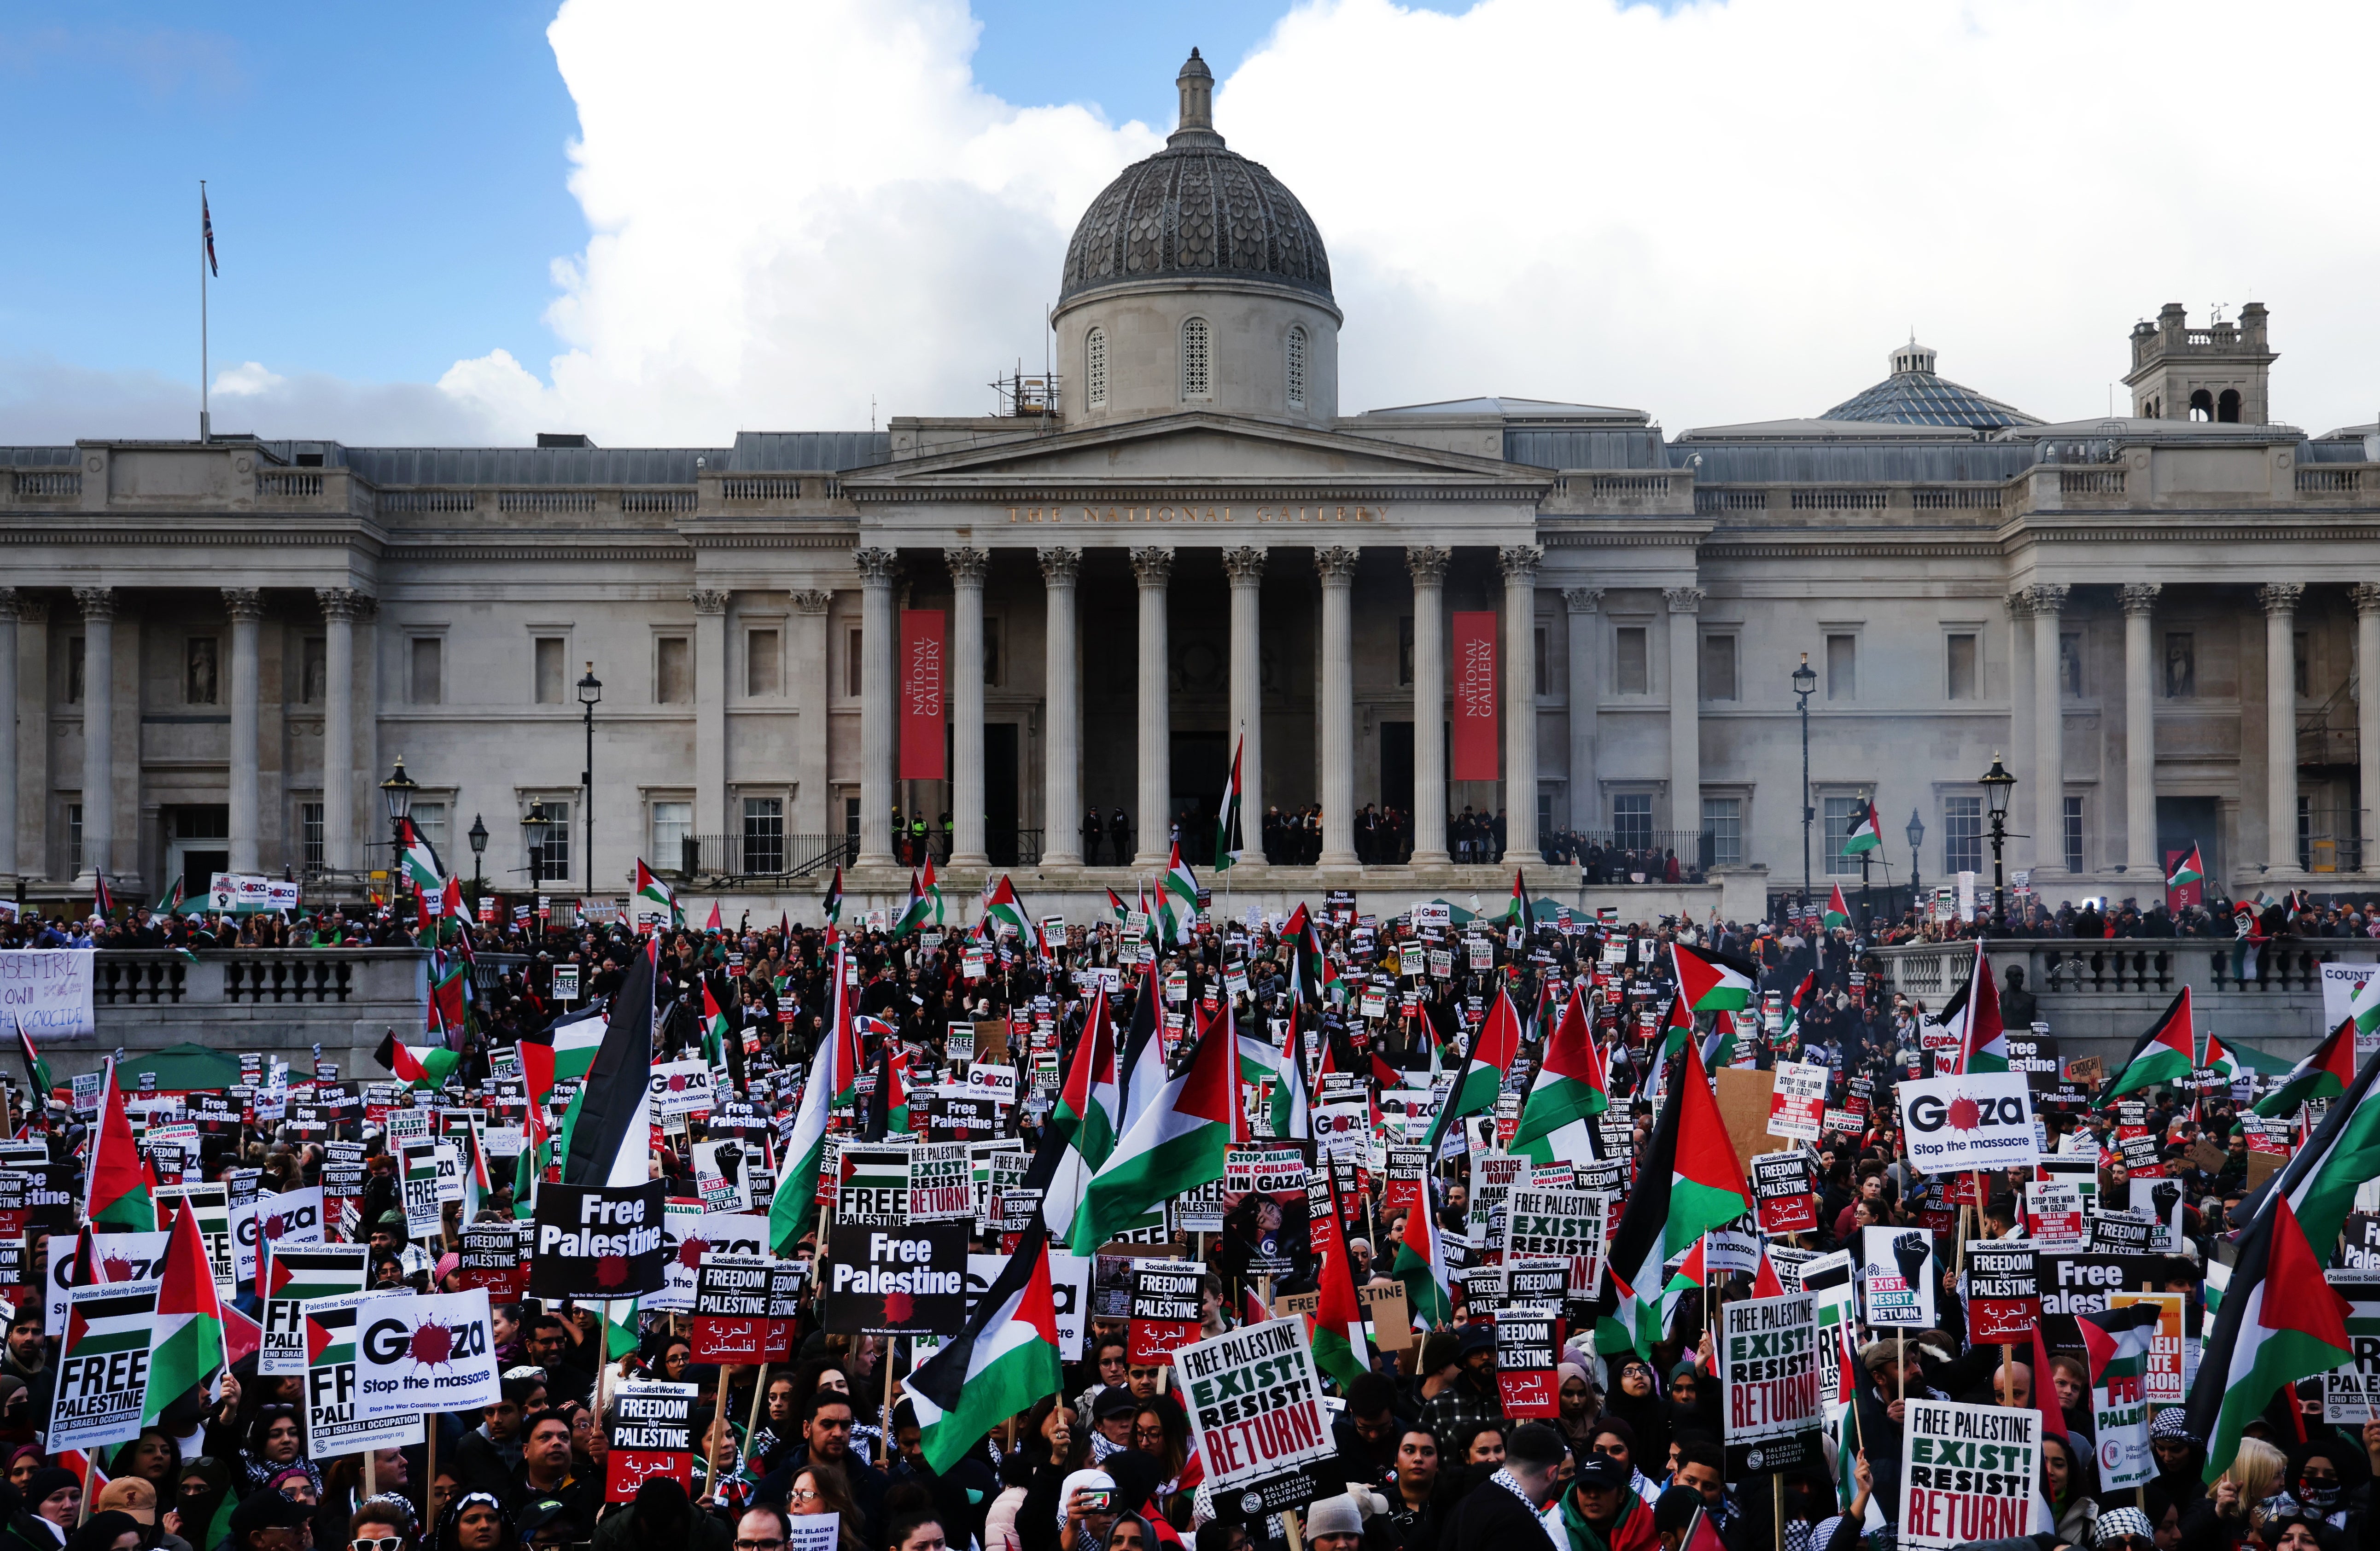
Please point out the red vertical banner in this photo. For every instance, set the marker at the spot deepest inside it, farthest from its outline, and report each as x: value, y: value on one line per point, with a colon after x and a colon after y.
x: 922, y: 683
x: 1475, y: 708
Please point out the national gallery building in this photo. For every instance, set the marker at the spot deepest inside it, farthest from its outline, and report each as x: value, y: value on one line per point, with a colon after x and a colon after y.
x: 214, y: 653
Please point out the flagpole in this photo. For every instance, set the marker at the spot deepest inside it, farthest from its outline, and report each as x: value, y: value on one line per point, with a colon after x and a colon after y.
x: 205, y: 430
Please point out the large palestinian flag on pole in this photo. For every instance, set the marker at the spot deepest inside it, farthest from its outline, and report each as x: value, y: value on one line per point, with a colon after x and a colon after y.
x: 793, y: 1207
x: 2188, y: 870
x: 1691, y: 1183
x: 2324, y: 1074
x: 1176, y: 1145
x: 2281, y: 1321
x: 2167, y: 1053
x: 1570, y: 1085
x: 120, y: 1199
x: 420, y: 1066
x: 1336, y: 1331
x: 1985, y: 1046
x: 188, y: 1345
x: 999, y: 1363
x: 1494, y: 1046
x: 1712, y: 982
x: 1839, y: 910
x: 1228, y: 840
x: 610, y: 1140
x: 1867, y: 834
x: 1421, y: 1260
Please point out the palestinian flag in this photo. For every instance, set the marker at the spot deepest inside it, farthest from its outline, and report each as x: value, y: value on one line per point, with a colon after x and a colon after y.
x: 188, y: 1345
x: 450, y: 993
x: 420, y: 862
x: 1839, y: 910
x: 1292, y: 1109
x: 1003, y: 908
x: 120, y: 1198
x: 2190, y: 869
x: 610, y: 1140
x: 1175, y: 1146
x: 1516, y: 910
x: 1311, y: 974
x: 1228, y: 842
x: 1178, y: 897
x: 2320, y: 1181
x: 36, y: 1068
x: 1335, y: 1329
x: 1765, y: 1282
x: 2118, y: 1342
x: 1086, y: 1121
x: 1003, y: 1359
x: 933, y: 891
x: 2324, y: 1074
x: 1712, y: 982
x: 1421, y: 1261
x: 1799, y: 1003
x: 1495, y: 1045
x: 713, y: 923
x: 1985, y: 1046
x: 620, y: 1320
x: 171, y: 900
x: 2167, y: 1053
x: 1867, y: 835
x: 574, y: 1045
x: 1692, y: 1273
x: 832, y: 907
x: 715, y: 1033
x: 1690, y: 1182
x: 652, y: 890
x: 419, y: 1066
x: 2280, y: 1321
x: 913, y: 915
x: 103, y: 902
x: 794, y: 1208
x: 2219, y: 1061
x: 1117, y: 908
x: 1570, y: 1085
x: 890, y: 1113
x: 2363, y: 1004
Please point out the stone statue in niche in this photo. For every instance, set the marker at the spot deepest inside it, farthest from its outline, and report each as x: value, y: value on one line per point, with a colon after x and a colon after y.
x: 198, y: 678
x: 2180, y: 666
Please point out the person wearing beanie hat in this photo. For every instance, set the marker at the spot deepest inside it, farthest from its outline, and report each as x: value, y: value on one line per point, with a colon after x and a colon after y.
x: 1335, y: 1524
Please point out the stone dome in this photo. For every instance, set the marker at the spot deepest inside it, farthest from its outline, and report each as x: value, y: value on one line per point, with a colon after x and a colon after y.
x: 1196, y: 210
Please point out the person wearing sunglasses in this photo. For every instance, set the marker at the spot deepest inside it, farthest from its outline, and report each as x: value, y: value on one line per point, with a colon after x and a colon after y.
x: 376, y: 1526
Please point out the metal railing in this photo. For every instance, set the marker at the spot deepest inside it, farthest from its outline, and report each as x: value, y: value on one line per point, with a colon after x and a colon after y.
x: 760, y: 855
x: 1626, y: 851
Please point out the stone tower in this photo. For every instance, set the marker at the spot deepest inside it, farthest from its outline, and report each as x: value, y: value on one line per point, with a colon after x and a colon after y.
x: 2215, y: 373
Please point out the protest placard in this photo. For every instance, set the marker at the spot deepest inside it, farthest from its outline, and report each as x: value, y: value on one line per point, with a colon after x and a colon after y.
x: 103, y: 1364
x: 1571, y: 1225
x: 2054, y: 1216
x: 418, y: 1353
x: 1769, y: 1365
x: 1967, y: 1473
x: 907, y: 1279
x: 2164, y: 1381
x: 731, y: 1308
x: 294, y: 1276
x: 941, y: 1182
x: 1975, y: 1121
x: 1525, y: 1352
x: 2081, y: 1283
x: 212, y: 1206
x: 2120, y: 1426
x: 336, y: 1421
x: 1784, y: 1192
x: 2351, y: 1392
x: 1897, y: 1277
x: 652, y: 1438
x: 1797, y: 1105
x: 2003, y: 1298
x: 1165, y: 1308
x: 2121, y: 1233
x: 1828, y: 1280
x: 599, y: 1242
x: 293, y: 1217
x: 1256, y: 1404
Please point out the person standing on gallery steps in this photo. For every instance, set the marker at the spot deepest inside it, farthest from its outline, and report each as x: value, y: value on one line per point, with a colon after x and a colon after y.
x: 1120, y: 837
x: 1091, y: 837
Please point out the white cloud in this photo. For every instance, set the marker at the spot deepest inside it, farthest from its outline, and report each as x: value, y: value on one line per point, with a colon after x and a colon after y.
x: 1715, y: 213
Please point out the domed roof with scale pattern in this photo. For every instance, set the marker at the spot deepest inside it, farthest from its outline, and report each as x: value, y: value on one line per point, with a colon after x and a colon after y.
x: 1196, y: 210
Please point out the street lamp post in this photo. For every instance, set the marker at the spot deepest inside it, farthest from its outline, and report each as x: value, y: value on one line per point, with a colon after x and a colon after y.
x: 1998, y: 783
x: 590, y: 694
x: 1805, y: 682
x: 479, y: 836
x: 398, y: 789
x: 1916, y: 833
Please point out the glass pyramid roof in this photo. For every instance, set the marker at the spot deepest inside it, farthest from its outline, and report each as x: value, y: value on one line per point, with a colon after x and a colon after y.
x: 1915, y: 396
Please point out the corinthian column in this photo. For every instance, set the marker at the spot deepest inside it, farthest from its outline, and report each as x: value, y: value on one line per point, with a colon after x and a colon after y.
x: 98, y: 729
x: 967, y: 706
x: 246, y: 606
x: 806, y: 644
x: 2048, y: 732
x: 2367, y: 716
x: 2280, y: 601
x: 1520, y: 563
x: 1061, y: 771
x: 710, y: 714
x: 1337, y: 567
x: 340, y: 608
x: 1154, y: 567
x: 1244, y: 567
x: 1427, y: 564
x: 877, y: 629
x: 1585, y: 687
x: 1685, y: 714
x: 2140, y: 729
x: 8, y: 737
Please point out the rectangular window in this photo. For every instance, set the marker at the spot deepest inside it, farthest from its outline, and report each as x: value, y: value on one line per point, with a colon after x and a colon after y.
x: 763, y: 667
x: 1635, y: 675
x: 1723, y: 822
x: 1718, y: 667
x: 2070, y: 666
x: 1632, y: 818
x: 309, y: 833
x: 764, y: 835
x: 73, y: 675
x: 1962, y: 667
x: 431, y: 820
x: 313, y: 671
x: 673, y: 827
x: 1842, y: 667
x: 1962, y: 834
x: 74, y: 838
x: 2301, y: 663
x: 1542, y: 669
x: 674, y: 670
x: 201, y: 670
x: 855, y: 681
x: 2073, y: 834
x: 2180, y: 665
x: 549, y: 843
x: 429, y: 659
x: 551, y: 674
x: 851, y: 819
x: 1842, y: 814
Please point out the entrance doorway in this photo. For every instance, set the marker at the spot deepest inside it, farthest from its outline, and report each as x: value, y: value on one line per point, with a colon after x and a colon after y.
x: 2183, y: 822
x: 1397, y: 765
x: 196, y: 837
x: 1002, y: 840
x: 1201, y: 764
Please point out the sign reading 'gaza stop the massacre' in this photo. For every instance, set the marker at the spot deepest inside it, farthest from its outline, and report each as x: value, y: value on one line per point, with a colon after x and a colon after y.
x: 416, y: 1354
x: 1256, y: 1403
x: 1978, y: 1120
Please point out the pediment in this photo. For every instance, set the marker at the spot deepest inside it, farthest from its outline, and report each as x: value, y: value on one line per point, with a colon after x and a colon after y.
x: 1206, y: 450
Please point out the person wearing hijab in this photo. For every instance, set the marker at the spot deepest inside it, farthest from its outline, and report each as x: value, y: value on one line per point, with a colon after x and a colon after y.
x: 1636, y: 1398
x: 52, y: 1502
x: 1576, y: 1394
x: 110, y: 1531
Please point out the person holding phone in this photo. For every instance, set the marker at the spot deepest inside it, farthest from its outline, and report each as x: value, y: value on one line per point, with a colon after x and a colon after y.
x: 1087, y: 1509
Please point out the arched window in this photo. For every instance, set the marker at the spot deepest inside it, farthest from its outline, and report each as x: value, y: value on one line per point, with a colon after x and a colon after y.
x: 1297, y: 369
x: 2202, y: 405
x: 1095, y: 367
x: 1195, y: 373
x: 2227, y: 409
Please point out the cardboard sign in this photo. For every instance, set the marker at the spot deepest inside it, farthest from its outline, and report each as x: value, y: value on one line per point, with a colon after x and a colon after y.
x: 294, y: 1276
x: 335, y: 1424
x: 731, y: 1308
x: 1526, y: 1353
x: 1166, y: 1296
x: 2003, y: 1296
x: 907, y: 1279
x: 1256, y: 1404
x: 418, y: 1353
x: 1572, y: 1226
x: 652, y: 1437
x: 1769, y: 1365
x: 598, y: 1241
x: 2074, y: 1284
x: 1967, y: 1473
x: 294, y: 1216
x: 2351, y: 1392
x: 104, y: 1365
x: 1784, y: 1192
x: 1897, y: 1277
x: 2163, y: 1379
x: 1797, y: 1105
x: 1976, y: 1121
